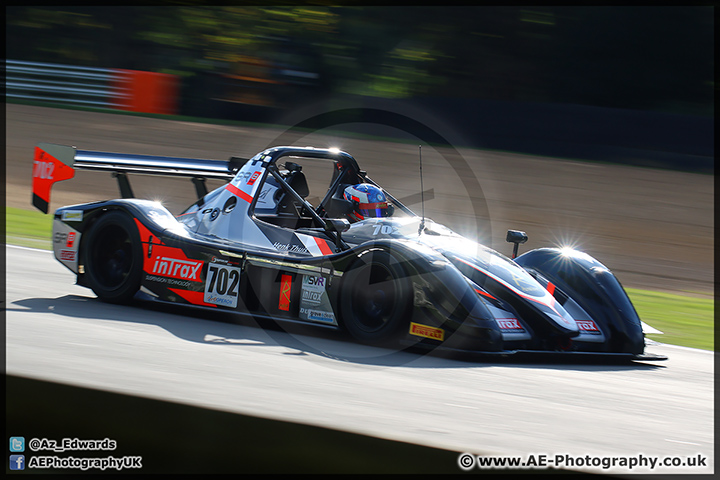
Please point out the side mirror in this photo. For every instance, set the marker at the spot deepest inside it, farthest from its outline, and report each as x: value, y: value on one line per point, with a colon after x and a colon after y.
x: 337, y: 225
x: 517, y: 237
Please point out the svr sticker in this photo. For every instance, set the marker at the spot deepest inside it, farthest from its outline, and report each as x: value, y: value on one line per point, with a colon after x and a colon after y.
x: 314, y: 302
x: 222, y: 285
x: 426, y: 331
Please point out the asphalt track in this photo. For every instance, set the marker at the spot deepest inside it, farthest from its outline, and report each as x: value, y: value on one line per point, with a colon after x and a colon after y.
x: 653, y: 228
x: 59, y: 332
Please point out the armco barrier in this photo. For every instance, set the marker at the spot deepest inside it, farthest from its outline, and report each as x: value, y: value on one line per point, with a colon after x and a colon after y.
x: 64, y: 84
x: 138, y: 91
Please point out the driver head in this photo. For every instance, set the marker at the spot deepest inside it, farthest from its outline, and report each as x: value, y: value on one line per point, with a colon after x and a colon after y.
x: 368, y: 201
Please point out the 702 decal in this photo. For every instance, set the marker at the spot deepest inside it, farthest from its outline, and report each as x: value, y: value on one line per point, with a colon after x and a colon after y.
x: 43, y: 170
x: 383, y: 229
x: 222, y: 285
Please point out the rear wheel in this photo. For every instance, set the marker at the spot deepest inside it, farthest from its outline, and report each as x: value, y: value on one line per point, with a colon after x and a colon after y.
x: 375, y: 298
x: 113, y: 258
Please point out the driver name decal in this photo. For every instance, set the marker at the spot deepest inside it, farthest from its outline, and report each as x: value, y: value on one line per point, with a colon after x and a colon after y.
x: 288, y: 247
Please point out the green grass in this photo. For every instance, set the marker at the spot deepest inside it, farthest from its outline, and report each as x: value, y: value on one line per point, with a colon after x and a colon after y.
x: 29, y: 228
x: 684, y: 320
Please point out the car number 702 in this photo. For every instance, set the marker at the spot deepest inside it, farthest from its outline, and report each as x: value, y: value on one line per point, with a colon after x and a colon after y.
x: 221, y: 287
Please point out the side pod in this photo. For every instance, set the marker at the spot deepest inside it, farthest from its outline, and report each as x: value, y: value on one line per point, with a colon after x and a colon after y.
x: 444, y: 299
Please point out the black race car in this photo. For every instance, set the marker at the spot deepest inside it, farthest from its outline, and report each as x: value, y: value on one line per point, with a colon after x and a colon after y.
x: 265, y: 245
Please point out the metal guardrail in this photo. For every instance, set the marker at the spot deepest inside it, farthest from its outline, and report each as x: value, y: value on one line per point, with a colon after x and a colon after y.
x: 66, y: 84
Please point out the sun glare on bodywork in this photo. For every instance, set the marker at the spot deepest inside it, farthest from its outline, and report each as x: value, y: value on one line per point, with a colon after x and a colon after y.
x: 569, y: 245
x: 570, y: 252
x: 157, y: 201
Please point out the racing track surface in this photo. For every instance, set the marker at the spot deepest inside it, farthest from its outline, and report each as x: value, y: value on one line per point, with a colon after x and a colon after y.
x: 59, y: 332
x: 653, y: 228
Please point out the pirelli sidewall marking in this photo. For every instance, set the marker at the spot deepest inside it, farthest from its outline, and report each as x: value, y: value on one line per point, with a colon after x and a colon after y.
x: 427, y: 331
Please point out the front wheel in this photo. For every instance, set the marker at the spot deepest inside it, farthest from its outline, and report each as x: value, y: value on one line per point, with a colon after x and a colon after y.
x: 375, y: 298
x: 113, y: 258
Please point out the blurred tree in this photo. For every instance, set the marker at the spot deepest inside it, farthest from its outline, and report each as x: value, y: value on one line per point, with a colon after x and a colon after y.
x: 630, y: 57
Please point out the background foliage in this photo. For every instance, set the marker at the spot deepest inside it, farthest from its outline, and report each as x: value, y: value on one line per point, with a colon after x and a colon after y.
x: 637, y: 57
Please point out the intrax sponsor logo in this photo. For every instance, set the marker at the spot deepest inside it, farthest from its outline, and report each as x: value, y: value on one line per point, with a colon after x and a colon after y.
x: 175, y: 268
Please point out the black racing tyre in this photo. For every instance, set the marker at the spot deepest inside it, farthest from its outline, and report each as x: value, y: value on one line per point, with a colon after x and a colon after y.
x: 113, y: 257
x: 375, y: 298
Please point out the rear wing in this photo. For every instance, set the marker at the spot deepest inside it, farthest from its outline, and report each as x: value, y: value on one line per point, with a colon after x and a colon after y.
x: 54, y: 163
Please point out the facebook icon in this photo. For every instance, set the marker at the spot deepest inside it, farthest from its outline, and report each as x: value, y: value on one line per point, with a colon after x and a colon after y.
x: 17, y: 462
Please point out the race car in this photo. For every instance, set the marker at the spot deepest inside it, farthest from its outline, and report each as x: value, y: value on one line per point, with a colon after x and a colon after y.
x: 332, y: 249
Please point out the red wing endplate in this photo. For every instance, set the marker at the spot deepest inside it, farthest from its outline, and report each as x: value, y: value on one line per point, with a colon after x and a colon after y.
x: 52, y: 163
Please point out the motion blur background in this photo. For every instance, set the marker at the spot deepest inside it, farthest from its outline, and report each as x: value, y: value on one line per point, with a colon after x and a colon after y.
x: 622, y: 84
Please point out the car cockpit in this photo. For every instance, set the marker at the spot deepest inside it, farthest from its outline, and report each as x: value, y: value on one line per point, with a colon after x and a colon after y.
x: 278, y: 206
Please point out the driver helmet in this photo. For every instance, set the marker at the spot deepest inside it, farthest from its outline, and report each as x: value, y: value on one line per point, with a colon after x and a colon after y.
x: 368, y: 201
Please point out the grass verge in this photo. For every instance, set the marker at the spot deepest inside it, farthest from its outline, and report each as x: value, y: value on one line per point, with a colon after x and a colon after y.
x: 684, y: 320
x: 28, y: 228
